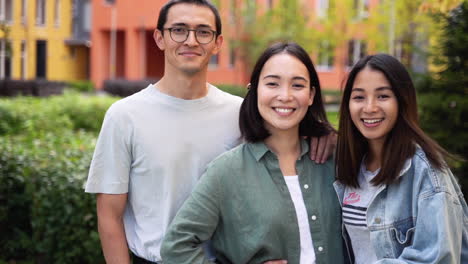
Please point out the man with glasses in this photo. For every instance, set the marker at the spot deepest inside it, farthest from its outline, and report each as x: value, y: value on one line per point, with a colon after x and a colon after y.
x: 155, y: 144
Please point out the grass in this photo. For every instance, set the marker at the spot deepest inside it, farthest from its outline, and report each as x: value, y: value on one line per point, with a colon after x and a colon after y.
x: 333, y: 118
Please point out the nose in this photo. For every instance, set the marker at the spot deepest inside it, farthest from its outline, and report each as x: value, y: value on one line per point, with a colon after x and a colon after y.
x: 284, y: 93
x: 370, y: 106
x: 191, y: 39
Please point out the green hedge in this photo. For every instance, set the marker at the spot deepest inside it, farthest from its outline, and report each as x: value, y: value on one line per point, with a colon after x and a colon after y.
x: 233, y: 89
x: 46, y: 146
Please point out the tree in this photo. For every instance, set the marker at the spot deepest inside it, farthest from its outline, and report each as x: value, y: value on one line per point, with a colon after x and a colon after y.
x: 444, y: 94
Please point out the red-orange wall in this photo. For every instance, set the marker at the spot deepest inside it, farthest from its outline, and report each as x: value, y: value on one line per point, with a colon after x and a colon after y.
x: 136, y: 58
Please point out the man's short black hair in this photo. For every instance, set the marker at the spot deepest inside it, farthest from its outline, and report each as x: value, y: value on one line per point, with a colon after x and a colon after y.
x: 165, y: 9
x: 251, y: 123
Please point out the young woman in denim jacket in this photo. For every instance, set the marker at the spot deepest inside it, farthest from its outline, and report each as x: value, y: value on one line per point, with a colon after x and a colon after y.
x: 401, y: 203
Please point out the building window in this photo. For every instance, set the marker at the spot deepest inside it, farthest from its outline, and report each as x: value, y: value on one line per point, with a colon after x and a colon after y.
x: 325, y: 58
x: 214, y: 61
x: 321, y: 7
x: 270, y: 4
x: 361, y: 9
x: 356, y: 50
x: 232, y: 11
x: 6, y: 11
x: 57, y: 13
x: 24, y: 4
x: 24, y: 60
x: 5, y: 59
x: 40, y: 12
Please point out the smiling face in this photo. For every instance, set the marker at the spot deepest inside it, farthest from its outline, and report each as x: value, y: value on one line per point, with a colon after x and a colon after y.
x: 189, y: 57
x: 284, y: 93
x: 373, y: 106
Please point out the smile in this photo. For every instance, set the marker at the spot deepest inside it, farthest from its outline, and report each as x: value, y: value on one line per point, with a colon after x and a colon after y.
x: 372, y: 122
x: 283, y: 111
x: 189, y: 54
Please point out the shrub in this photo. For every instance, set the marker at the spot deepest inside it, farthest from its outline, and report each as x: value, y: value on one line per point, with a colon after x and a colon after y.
x: 124, y: 88
x: 81, y: 86
x: 44, y: 179
x: 233, y: 89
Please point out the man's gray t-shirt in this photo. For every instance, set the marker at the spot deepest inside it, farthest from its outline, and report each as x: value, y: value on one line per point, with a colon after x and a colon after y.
x: 155, y: 147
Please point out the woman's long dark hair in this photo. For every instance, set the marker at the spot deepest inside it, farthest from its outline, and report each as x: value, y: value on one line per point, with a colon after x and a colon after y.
x: 400, y: 143
x: 314, y: 123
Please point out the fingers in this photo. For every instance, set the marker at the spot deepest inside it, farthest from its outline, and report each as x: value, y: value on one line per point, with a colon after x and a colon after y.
x: 322, y: 145
x: 330, y: 147
x: 313, y: 148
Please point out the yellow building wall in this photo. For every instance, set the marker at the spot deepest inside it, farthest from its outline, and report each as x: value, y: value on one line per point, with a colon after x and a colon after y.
x: 64, y: 62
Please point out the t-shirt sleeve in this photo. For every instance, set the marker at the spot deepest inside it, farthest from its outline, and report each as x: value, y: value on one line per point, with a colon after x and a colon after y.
x: 112, y: 159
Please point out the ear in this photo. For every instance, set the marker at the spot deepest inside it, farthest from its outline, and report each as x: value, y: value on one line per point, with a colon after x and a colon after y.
x: 159, y: 39
x: 312, y: 95
x: 218, y: 43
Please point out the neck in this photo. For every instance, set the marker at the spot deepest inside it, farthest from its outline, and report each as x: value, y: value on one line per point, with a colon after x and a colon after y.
x: 374, y: 156
x: 287, y: 146
x: 183, y: 85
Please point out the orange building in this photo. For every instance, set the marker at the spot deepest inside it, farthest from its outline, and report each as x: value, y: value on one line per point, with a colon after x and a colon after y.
x: 123, y: 45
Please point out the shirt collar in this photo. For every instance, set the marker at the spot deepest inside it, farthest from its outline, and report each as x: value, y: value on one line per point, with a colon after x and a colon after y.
x: 259, y: 149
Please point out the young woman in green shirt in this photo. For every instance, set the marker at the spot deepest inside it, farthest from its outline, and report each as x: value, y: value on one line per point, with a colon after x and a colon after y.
x: 266, y: 200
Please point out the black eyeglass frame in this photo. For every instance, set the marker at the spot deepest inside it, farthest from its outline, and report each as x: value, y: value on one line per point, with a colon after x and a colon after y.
x: 188, y: 33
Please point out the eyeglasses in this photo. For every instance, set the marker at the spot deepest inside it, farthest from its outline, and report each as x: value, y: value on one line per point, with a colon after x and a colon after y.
x: 180, y: 34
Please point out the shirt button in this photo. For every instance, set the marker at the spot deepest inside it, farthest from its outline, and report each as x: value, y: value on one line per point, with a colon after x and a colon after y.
x: 320, y: 249
x: 306, y: 186
x: 377, y: 220
x: 314, y: 217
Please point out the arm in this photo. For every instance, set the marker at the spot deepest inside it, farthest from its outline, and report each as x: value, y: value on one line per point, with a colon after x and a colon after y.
x: 323, y: 147
x: 194, y: 223
x: 438, y: 232
x: 110, y: 209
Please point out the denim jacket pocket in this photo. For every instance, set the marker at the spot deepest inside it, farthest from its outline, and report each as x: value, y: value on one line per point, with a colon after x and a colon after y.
x: 403, y: 238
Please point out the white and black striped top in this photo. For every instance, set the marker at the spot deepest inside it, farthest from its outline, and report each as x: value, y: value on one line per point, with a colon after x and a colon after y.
x: 355, y: 204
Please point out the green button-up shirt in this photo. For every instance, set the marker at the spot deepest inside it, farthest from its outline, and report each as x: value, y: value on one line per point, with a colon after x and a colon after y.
x: 243, y: 204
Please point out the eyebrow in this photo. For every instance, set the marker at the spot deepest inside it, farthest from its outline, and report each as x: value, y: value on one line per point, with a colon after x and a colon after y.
x: 185, y: 25
x: 379, y: 89
x: 278, y: 77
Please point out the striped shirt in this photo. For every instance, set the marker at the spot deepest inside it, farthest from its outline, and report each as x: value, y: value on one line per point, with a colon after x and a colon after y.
x: 355, y: 204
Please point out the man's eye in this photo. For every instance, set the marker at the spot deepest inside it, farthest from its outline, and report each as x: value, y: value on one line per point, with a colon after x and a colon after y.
x: 203, y: 32
x: 179, y: 30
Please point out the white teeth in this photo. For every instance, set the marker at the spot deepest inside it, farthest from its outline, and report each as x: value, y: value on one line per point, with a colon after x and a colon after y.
x: 371, y: 121
x: 284, y: 110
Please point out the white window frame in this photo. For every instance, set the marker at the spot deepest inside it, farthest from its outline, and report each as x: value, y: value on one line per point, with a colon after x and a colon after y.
x: 3, y: 56
x: 362, y: 9
x: 321, y: 8
x: 325, y: 54
x: 24, y: 11
x: 57, y: 7
x: 6, y: 14
x: 214, y: 61
x: 357, y: 50
x: 41, y: 14
x: 24, y: 59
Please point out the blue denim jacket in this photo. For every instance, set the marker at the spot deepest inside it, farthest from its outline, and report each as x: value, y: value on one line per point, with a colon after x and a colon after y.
x: 423, y: 218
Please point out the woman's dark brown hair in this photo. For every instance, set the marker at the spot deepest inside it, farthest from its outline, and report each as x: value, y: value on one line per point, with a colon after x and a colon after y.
x: 400, y: 143
x: 314, y: 123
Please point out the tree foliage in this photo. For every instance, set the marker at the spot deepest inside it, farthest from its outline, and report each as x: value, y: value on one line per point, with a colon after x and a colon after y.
x: 444, y: 94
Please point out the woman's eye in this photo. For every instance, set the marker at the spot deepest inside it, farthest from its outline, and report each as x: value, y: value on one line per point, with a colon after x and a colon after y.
x: 298, y: 86
x: 271, y: 84
x: 383, y: 96
x: 357, y: 97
